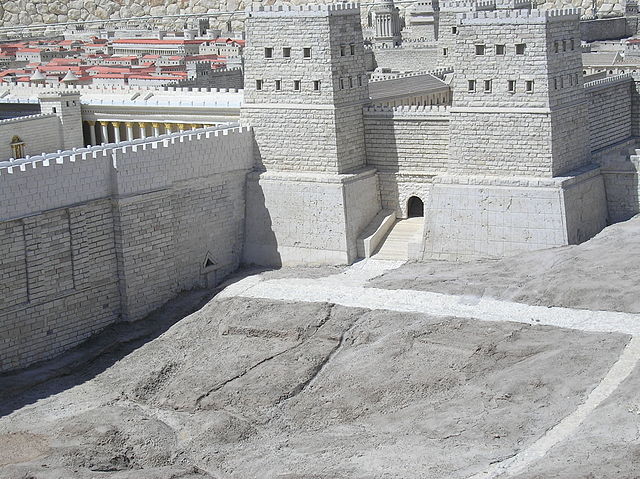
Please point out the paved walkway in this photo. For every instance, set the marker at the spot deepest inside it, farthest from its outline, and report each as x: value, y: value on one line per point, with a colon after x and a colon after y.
x: 348, y: 289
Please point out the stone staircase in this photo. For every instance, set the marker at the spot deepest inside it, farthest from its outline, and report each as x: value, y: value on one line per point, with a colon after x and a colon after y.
x: 395, y: 245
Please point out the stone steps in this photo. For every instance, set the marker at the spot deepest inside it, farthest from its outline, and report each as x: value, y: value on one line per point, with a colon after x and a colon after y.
x: 395, y: 245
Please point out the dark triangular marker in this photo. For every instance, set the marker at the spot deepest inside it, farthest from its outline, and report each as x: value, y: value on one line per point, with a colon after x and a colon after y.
x: 208, y: 263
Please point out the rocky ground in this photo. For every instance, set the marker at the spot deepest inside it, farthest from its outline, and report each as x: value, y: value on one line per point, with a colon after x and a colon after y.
x: 260, y: 388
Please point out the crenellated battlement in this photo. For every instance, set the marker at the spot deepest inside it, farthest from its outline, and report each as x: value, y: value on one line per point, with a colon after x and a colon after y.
x: 308, y: 10
x: 406, y: 111
x: 16, y: 166
x: 603, y: 82
x: 27, y: 118
x: 118, y: 89
x: 504, y: 17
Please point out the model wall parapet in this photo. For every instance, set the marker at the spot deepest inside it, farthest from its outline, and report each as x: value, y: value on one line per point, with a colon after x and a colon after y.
x: 407, y: 111
x: 608, y: 81
x: 54, y: 180
x: 519, y: 17
x: 27, y: 118
x: 308, y: 10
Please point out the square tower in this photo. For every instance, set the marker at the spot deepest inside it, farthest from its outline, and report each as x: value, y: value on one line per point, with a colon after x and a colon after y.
x: 305, y: 86
x: 519, y: 104
x: 65, y: 104
x: 519, y: 174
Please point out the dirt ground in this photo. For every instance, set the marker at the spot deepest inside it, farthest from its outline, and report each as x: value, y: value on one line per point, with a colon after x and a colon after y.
x: 254, y: 388
x: 601, y: 274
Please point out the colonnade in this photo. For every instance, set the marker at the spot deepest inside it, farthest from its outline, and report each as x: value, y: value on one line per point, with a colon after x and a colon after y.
x: 116, y: 131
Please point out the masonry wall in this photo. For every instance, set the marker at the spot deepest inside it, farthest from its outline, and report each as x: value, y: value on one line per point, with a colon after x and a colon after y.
x: 111, y: 234
x: 38, y: 132
x: 406, y: 58
x: 610, y: 112
x: 604, y: 29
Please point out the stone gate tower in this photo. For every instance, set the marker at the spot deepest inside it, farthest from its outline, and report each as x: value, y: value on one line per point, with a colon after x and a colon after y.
x: 519, y: 139
x: 305, y: 86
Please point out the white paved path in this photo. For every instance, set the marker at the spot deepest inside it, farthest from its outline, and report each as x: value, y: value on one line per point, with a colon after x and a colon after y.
x: 347, y: 289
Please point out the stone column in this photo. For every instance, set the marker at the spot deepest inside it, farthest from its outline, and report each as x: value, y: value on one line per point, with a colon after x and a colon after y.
x: 143, y: 129
x: 129, y: 126
x: 116, y: 131
x: 156, y: 129
x: 92, y: 132
x: 105, y: 131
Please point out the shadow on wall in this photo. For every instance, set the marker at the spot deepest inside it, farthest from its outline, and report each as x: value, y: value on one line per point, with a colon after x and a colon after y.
x: 260, y: 245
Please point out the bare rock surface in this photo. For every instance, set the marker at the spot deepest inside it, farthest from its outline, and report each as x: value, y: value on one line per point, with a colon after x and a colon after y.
x: 257, y: 388
x: 600, y: 274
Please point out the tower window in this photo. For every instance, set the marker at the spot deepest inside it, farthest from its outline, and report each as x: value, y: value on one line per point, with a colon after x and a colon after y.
x: 520, y: 48
x: 499, y: 49
x: 316, y: 85
x: 359, y: 81
x: 555, y: 47
x: 454, y: 30
x: 573, y: 45
x: 564, y: 46
x: 296, y: 85
x: 268, y: 52
x: 529, y: 86
x: 306, y: 52
x: 555, y: 83
x: 511, y: 86
x: 487, y: 86
x: 286, y: 52
x: 278, y: 85
x: 350, y: 82
x: 444, y: 52
x: 352, y: 49
x: 472, y: 86
x: 480, y: 49
x: 343, y: 50
x: 258, y: 85
x: 341, y: 84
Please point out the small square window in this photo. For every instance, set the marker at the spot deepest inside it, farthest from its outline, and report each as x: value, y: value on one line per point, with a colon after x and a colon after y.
x: 479, y: 49
x: 268, y: 52
x: 278, y: 85
x: 529, y: 86
x: 343, y: 50
x: 286, y: 52
x: 499, y: 49
x: 258, y: 85
x: 487, y: 86
x: 520, y: 48
x: 296, y: 85
x: 472, y: 86
x: 352, y: 49
x: 511, y: 86
x: 316, y: 85
x: 454, y: 30
x: 306, y: 52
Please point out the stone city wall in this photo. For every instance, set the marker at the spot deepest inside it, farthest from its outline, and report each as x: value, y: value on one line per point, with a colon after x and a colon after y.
x: 138, y: 222
x: 38, y: 132
x: 609, y: 110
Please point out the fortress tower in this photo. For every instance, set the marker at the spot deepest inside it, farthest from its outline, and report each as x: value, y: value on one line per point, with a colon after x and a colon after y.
x: 305, y: 86
x: 519, y: 139
x: 67, y: 106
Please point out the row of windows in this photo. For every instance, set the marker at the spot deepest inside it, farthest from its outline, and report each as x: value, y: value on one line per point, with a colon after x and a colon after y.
x: 297, y: 85
x: 481, y: 49
x: 286, y: 52
x: 563, y: 45
x: 569, y: 80
x: 511, y: 85
x: 279, y: 85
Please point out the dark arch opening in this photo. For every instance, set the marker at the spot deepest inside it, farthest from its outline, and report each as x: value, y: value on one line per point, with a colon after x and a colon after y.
x: 415, y: 207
